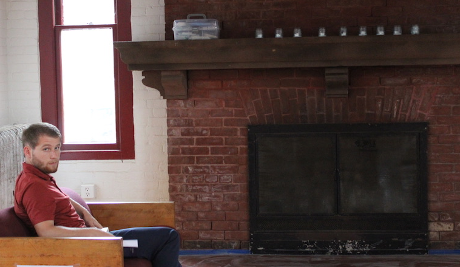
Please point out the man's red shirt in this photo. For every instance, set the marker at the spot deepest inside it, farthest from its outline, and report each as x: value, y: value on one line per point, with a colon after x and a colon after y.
x: 37, y: 198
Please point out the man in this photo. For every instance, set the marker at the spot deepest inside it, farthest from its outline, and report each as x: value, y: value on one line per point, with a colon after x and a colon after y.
x: 43, y: 206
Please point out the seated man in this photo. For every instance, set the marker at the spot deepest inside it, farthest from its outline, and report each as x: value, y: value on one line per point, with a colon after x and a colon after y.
x: 42, y: 205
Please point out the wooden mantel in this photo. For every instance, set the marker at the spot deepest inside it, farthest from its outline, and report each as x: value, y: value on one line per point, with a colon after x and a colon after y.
x: 165, y: 63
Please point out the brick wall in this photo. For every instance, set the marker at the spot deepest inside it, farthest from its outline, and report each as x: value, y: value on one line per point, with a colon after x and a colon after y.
x: 207, y: 132
x: 207, y: 138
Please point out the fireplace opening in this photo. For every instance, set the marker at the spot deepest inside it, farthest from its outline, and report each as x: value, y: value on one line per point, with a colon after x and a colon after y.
x: 338, y: 188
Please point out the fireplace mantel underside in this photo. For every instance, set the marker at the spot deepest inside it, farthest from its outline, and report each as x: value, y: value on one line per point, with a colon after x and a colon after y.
x: 165, y: 63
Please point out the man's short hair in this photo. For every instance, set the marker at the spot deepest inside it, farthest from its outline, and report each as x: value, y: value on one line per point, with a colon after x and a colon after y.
x: 34, y: 131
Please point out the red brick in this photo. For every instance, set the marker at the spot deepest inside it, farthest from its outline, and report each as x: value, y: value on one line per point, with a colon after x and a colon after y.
x: 441, y: 226
x: 221, y: 244
x: 174, y: 170
x: 181, y: 160
x: 195, y: 113
x: 243, y: 226
x: 196, y: 225
x: 237, y: 215
x: 224, y: 151
x: 449, y: 177
x: 177, y: 179
x: 196, y: 189
x: 449, y: 196
x: 224, y: 225
x: 209, y: 141
x: 237, y: 235
x: 195, y: 151
x: 441, y: 129
x: 235, y: 197
x: 238, y: 122
x: 197, y: 244
x: 208, y: 104
x: 440, y: 187
x: 196, y: 179
x: 195, y: 132
x: 210, y: 160
x: 211, y: 178
x: 189, y: 235
x: 439, y: 206
x: 212, y: 235
x: 180, y: 122
x: 207, y: 84
x: 180, y: 198
x: 208, y: 122
x: 226, y: 178
x: 186, y: 216
x: 225, y: 206
x: 223, y: 132
x: 221, y: 113
x: 211, y: 216
x: 236, y: 141
x: 183, y: 141
x: 449, y: 236
x: 433, y: 216
x: 225, y: 188
x: 436, y: 149
x: 196, y: 206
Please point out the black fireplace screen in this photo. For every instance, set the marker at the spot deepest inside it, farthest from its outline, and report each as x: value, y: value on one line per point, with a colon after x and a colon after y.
x: 338, y: 188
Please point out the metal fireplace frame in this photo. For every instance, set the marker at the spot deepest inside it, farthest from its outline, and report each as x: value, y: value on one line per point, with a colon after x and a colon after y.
x: 337, y: 232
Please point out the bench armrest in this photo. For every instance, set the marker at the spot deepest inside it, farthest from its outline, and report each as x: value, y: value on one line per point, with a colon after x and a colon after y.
x: 121, y: 215
x: 72, y: 251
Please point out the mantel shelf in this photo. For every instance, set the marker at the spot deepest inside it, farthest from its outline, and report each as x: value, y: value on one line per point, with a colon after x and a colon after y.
x: 165, y: 63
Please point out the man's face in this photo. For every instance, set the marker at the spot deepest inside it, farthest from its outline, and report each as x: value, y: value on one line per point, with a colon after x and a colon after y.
x: 45, y: 156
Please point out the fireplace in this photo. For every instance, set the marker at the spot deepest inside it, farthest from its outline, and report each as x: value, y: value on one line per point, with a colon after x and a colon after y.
x: 338, y: 188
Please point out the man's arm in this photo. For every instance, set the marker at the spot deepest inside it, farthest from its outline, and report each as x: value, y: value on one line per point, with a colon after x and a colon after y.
x: 85, y: 215
x: 48, y: 229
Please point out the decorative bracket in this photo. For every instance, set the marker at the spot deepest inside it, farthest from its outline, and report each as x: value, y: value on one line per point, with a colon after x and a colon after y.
x: 172, y: 84
x: 336, y: 82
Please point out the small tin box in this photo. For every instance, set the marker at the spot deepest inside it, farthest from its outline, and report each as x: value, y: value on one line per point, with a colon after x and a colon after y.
x: 196, y: 29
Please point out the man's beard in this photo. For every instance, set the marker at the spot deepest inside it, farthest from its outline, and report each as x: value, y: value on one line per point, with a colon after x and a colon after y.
x: 45, y: 168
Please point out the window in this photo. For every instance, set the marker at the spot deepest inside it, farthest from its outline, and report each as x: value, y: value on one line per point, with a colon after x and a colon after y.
x: 86, y: 90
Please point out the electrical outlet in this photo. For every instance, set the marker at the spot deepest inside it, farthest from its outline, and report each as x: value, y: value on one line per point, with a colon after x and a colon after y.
x: 87, y: 191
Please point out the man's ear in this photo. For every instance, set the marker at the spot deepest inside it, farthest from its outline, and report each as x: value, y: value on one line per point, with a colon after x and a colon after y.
x: 27, y: 151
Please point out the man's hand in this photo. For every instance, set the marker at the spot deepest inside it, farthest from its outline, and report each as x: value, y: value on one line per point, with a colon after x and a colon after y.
x: 90, y: 221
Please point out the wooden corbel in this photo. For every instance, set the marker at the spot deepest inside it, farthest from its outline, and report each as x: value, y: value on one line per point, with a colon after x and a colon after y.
x: 336, y: 82
x: 172, y: 84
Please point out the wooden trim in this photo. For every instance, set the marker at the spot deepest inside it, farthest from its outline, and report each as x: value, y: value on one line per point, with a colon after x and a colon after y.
x: 160, y: 58
x: 81, y: 252
x: 50, y: 93
x: 388, y: 50
x: 138, y: 214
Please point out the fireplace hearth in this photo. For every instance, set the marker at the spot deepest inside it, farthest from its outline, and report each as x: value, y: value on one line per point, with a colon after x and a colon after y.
x: 338, y: 188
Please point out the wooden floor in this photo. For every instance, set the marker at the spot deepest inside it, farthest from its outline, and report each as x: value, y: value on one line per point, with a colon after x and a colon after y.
x: 245, y: 260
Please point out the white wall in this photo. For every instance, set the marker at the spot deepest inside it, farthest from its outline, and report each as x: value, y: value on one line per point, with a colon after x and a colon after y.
x: 142, y: 179
x: 23, y: 61
x: 3, y: 74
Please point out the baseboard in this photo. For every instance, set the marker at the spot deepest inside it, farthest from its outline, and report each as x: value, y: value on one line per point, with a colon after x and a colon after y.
x: 243, y: 251
x: 214, y: 251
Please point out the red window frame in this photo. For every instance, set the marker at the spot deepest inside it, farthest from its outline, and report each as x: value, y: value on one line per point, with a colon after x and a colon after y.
x: 49, y: 17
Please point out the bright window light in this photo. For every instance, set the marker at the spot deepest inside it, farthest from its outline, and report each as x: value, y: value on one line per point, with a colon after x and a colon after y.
x: 88, y: 86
